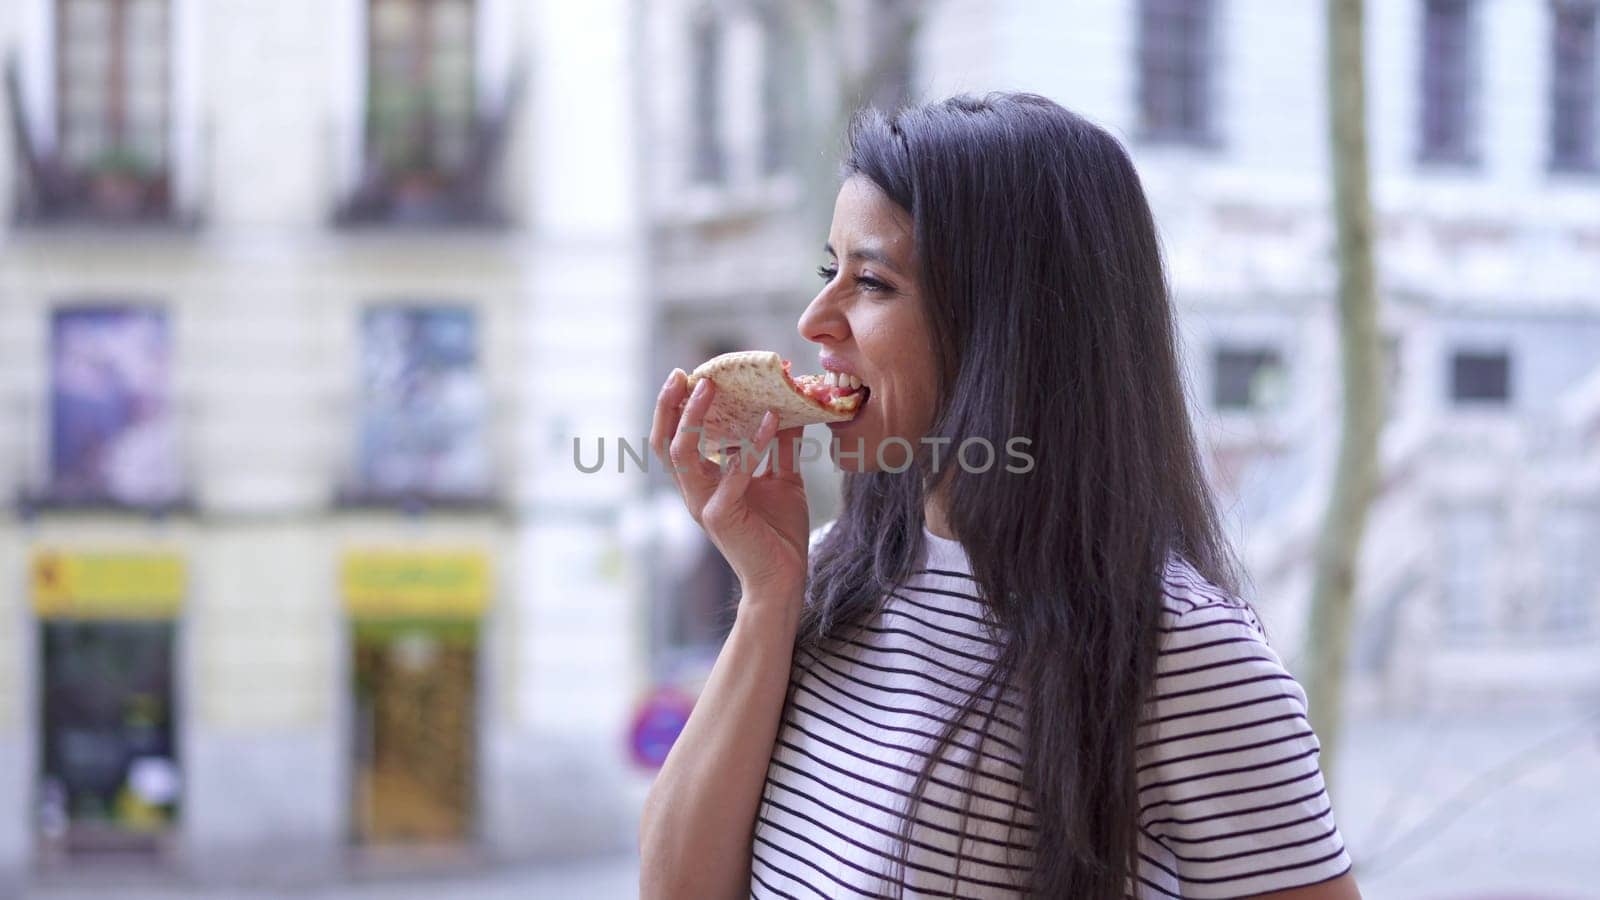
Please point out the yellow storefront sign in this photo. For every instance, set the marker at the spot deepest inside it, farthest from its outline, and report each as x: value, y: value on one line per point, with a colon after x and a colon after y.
x: 107, y: 585
x: 415, y: 584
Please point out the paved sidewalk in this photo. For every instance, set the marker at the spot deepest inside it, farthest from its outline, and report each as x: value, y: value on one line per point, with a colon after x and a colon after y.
x: 610, y: 878
x: 1481, y: 806
x: 1486, y: 805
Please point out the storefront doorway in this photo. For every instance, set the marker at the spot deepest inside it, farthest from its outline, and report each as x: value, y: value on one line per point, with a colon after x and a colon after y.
x: 414, y: 661
x: 109, y: 777
x: 415, y: 699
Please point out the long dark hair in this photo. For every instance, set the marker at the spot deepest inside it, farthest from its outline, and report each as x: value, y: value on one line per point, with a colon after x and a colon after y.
x: 1051, y: 319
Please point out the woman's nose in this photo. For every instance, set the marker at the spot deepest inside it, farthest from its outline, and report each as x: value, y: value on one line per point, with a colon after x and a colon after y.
x: 821, y: 322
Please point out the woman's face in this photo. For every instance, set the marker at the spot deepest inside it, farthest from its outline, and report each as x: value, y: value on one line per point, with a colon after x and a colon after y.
x: 870, y: 322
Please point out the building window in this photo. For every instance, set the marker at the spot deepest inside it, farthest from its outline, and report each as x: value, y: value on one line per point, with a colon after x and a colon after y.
x: 708, y: 164
x: 430, y: 152
x: 112, y: 116
x: 423, y: 407
x: 1574, y: 76
x: 1471, y: 540
x: 113, y: 432
x: 1248, y: 379
x: 1570, y: 587
x: 778, y: 75
x: 420, y: 81
x: 1478, y: 376
x: 1449, y: 82
x: 1176, y: 59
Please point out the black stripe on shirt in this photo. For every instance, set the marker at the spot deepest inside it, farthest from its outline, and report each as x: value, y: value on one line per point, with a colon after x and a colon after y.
x: 910, y: 712
x: 1262, y: 873
x: 931, y: 738
x: 905, y: 770
x: 891, y: 789
x: 1243, y: 747
x: 1212, y: 839
x: 756, y: 876
x: 1227, y: 857
x: 943, y: 829
x: 1199, y: 798
x: 871, y: 827
x: 1206, y: 711
x: 946, y: 573
x: 887, y: 857
x: 1208, y: 732
x: 1237, y: 813
x: 911, y: 751
x: 1218, y: 773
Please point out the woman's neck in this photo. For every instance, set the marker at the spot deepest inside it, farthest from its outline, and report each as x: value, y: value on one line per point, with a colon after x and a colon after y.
x: 933, y: 514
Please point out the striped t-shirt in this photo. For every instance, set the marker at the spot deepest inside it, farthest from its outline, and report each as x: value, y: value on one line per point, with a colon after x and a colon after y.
x: 1231, y: 799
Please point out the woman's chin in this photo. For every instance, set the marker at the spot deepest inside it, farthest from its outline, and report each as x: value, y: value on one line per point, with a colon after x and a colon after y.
x: 855, y: 448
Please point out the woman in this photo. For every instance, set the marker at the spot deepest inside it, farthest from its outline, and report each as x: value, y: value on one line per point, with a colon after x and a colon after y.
x: 1025, y: 679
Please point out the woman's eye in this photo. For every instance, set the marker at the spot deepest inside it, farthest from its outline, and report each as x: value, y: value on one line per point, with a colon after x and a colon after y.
x: 867, y: 282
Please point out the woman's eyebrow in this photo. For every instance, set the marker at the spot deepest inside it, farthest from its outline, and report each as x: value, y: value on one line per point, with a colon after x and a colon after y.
x: 869, y: 254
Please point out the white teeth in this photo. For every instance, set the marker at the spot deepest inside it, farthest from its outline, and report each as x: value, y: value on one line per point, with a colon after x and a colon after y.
x: 831, y: 379
x: 855, y: 382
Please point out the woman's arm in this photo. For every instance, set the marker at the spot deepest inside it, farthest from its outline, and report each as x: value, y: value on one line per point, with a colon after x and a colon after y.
x: 696, y: 829
x: 694, y: 837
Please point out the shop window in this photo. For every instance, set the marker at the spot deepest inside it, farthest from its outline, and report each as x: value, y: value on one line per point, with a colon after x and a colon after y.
x: 424, y: 409
x: 110, y: 780
x: 113, y: 431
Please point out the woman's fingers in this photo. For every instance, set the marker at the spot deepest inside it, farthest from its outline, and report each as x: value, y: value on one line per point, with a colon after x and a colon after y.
x: 785, y: 462
x: 665, y: 422
x: 723, y: 508
x: 697, y: 478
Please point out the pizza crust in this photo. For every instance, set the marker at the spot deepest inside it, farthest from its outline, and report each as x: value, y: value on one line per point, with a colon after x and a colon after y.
x: 750, y: 382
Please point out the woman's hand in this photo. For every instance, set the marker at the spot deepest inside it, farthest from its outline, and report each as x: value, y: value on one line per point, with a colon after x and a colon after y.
x: 759, y: 523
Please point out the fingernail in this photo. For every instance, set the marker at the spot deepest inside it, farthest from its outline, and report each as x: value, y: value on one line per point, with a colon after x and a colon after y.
x: 766, y: 420
x: 671, y: 377
x: 700, y: 387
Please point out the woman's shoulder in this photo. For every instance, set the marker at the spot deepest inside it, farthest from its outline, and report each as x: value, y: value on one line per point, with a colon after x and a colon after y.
x: 1189, y: 597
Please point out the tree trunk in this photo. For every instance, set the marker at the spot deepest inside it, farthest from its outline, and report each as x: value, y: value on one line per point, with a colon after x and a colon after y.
x: 1356, y: 474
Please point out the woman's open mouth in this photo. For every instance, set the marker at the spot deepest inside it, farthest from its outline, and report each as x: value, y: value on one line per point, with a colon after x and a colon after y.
x: 839, y: 392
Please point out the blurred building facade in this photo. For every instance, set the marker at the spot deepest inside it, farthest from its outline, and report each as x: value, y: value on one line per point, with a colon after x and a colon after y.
x: 303, y: 304
x: 1478, y: 578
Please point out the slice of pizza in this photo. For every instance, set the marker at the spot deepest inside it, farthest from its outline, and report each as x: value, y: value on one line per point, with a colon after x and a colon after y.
x: 750, y: 382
